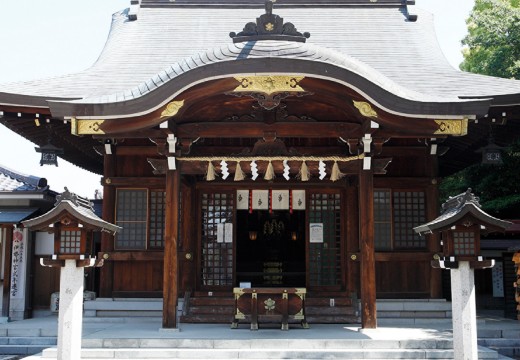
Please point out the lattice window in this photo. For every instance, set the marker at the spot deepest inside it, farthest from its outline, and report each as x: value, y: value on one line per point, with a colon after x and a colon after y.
x: 157, y: 213
x: 409, y: 212
x: 325, y: 258
x: 217, y: 254
x: 382, y: 220
x: 464, y: 243
x: 131, y: 214
x: 70, y: 242
x: 396, y: 213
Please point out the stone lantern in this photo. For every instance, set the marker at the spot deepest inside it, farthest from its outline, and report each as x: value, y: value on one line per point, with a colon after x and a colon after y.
x: 461, y: 223
x: 72, y: 220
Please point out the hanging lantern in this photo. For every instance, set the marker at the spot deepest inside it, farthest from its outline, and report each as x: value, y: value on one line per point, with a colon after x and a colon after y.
x: 49, y: 154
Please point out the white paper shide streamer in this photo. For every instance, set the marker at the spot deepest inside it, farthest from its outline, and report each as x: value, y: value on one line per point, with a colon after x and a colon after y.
x: 254, y: 170
x: 224, y: 169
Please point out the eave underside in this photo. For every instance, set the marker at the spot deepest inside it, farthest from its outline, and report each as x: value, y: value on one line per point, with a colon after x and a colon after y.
x: 323, y: 121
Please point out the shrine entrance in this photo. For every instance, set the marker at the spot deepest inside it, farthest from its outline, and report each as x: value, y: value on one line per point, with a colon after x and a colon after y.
x: 270, y: 248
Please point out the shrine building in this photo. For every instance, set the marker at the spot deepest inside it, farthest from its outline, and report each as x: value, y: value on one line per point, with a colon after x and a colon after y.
x: 251, y: 144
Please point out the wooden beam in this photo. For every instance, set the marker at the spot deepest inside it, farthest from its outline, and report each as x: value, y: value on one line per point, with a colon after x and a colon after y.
x: 141, y: 182
x: 257, y: 130
x: 171, y: 267
x: 131, y: 256
x: 367, y: 250
x: 106, y: 277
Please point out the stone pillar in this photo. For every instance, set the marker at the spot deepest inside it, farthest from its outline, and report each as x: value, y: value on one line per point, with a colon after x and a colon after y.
x: 70, y: 318
x: 464, y: 312
x: 17, y: 301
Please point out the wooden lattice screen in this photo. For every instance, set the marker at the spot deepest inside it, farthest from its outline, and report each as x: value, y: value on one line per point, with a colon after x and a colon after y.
x: 70, y: 242
x: 216, y: 246
x: 325, y: 257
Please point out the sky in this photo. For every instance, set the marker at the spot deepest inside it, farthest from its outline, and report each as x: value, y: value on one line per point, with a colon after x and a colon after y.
x: 45, y: 38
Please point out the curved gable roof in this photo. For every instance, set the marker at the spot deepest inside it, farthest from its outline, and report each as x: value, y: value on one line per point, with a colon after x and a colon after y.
x: 395, y: 52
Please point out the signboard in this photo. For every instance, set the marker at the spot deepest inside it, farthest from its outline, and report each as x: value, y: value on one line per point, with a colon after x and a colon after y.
x: 497, y: 275
x: 225, y: 233
x: 316, y: 232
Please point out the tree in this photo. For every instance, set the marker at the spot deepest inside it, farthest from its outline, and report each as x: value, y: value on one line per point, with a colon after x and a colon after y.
x: 492, y: 46
x: 496, y: 185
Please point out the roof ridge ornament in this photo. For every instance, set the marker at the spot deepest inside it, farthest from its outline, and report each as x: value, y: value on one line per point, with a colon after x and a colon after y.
x: 77, y: 200
x: 458, y: 201
x: 269, y: 26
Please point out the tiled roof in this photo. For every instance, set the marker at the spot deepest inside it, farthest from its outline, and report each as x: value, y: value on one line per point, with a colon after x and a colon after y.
x: 455, y: 209
x: 14, y: 181
x: 137, y: 53
x: 80, y: 208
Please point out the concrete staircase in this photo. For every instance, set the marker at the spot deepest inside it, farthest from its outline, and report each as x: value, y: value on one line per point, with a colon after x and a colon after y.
x: 267, y: 349
x: 496, y: 340
x: 413, y: 311
x: 123, y: 307
x: 505, y: 342
x: 26, y: 341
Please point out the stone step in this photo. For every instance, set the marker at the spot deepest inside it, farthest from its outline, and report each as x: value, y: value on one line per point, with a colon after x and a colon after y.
x: 23, y: 349
x: 213, y: 319
x: 327, y: 310
x: 228, y: 310
x: 123, y: 307
x: 32, y: 340
x: 268, y: 353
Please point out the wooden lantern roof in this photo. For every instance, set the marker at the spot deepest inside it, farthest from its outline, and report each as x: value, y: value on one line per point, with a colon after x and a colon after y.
x: 462, y: 208
x: 175, y: 62
x: 71, y: 208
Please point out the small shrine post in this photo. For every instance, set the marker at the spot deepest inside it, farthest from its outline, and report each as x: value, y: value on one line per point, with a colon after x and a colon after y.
x: 461, y: 223
x: 72, y: 221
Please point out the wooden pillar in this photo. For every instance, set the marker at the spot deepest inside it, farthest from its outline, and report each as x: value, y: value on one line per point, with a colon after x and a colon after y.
x: 187, y: 244
x: 106, y: 276
x: 171, y: 267
x: 350, y: 207
x: 432, y: 211
x: 366, y: 239
x: 8, y: 249
x: 434, y: 243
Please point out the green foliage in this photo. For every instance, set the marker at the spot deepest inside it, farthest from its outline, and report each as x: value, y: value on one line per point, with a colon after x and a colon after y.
x: 498, y: 186
x: 492, y: 46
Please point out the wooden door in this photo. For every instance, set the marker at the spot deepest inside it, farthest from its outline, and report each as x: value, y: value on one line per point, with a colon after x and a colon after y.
x: 325, y: 264
x: 216, y: 255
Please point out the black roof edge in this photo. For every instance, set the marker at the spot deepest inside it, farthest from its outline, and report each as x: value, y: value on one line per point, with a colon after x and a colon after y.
x: 499, y: 100
x: 21, y: 100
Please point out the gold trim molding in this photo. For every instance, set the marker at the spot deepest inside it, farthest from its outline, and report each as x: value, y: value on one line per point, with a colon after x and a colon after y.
x: 172, y: 109
x: 269, y: 84
x: 365, y: 109
x: 86, y: 127
x: 452, y: 127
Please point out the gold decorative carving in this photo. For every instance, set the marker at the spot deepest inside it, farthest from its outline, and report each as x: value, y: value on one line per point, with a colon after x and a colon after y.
x: 269, y: 27
x: 240, y: 315
x: 269, y: 84
x: 86, y: 127
x: 269, y: 304
x: 452, y: 127
x: 172, y: 109
x: 365, y: 109
x: 299, y: 315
